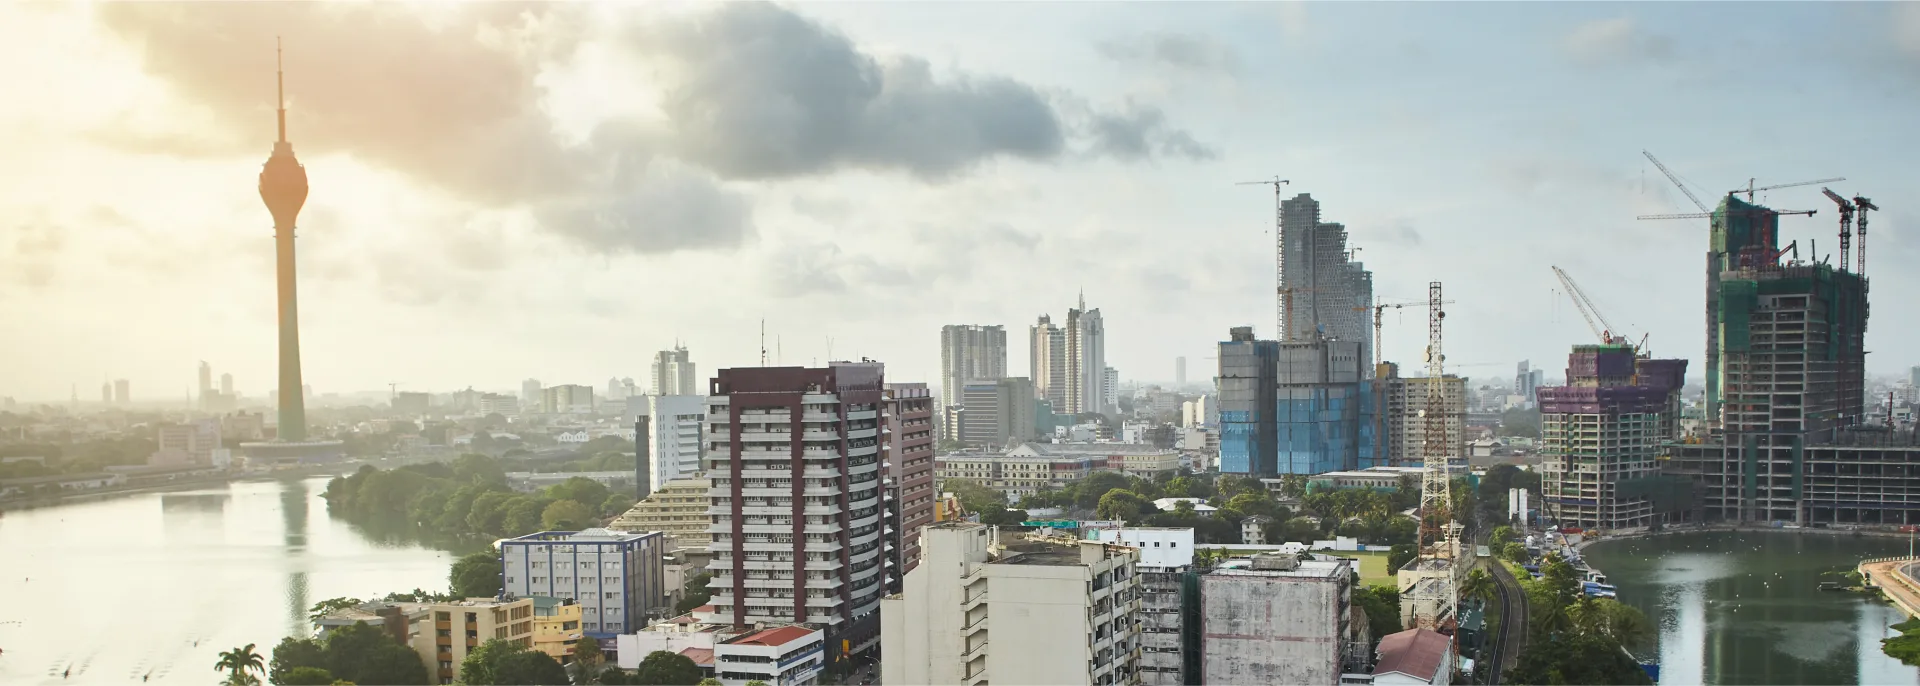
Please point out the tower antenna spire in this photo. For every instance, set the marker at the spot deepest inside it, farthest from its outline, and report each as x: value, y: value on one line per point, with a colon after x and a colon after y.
x: 280, y: 85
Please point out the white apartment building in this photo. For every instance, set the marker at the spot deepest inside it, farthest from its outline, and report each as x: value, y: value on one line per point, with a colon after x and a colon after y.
x: 617, y: 577
x: 794, y: 457
x: 1166, y: 556
x: 673, y: 432
x: 783, y: 655
x: 673, y: 373
x: 1020, y: 610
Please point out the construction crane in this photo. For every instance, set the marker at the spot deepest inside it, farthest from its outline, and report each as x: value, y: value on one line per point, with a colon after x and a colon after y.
x: 1750, y: 190
x: 1380, y: 309
x: 1676, y: 181
x: 393, y: 390
x: 1743, y: 213
x: 1601, y: 328
x: 1283, y: 303
x: 1862, y: 204
x: 1846, y: 222
x: 1435, y: 594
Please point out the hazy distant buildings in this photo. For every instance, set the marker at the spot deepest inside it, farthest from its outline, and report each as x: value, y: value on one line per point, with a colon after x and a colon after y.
x: 106, y: 394
x: 122, y: 392
x: 498, y: 403
x: 411, y: 403
x: 226, y: 385
x: 567, y: 399
x: 673, y: 373
x: 969, y: 354
x: 530, y: 393
x: 619, y: 389
x: 1048, y: 367
x: 1526, y: 382
x: 206, y: 382
x: 1179, y: 372
x: 997, y: 413
x: 192, y: 443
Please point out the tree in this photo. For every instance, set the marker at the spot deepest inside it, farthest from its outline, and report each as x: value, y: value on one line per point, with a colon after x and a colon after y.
x: 1501, y: 536
x: 1254, y: 504
x: 1478, y: 584
x: 523, y: 516
x: 617, y: 504
x: 306, y: 676
x: 528, y: 667
x: 695, y: 593
x: 1091, y: 489
x: 661, y: 668
x: 1515, y: 552
x: 710, y: 681
x: 1301, y: 530
x: 489, y: 513
x: 477, y: 668
x: 756, y: 682
x: 614, y: 676
x: 365, y: 654
x: 1576, y: 659
x: 1382, y: 605
x: 587, y: 661
x: 1121, y: 505
x: 292, y: 654
x: 1399, y: 555
x: 566, y: 515
x: 479, y: 469
x: 1230, y: 485
x: 580, y: 490
x: 1520, y: 422
x: 320, y: 609
x: 476, y: 576
x: 1293, y: 485
x: 240, y: 664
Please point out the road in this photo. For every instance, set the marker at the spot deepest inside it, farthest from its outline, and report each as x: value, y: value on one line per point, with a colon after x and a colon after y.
x: 1513, y: 622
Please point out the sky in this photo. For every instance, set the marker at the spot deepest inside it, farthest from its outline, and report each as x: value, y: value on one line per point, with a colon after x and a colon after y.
x: 557, y: 190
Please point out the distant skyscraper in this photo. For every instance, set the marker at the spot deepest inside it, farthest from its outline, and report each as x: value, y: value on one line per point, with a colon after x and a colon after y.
x: 206, y: 380
x: 226, y: 385
x: 1047, y: 345
x: 283, y: 187
x: 1180, y: 371
x: 1331, y: 292
x: 530, y: 393
x: 673, y: 373
x: 1110, y: 390
x: 121, y: 392
x: 969, y: 353
x: 1086, y: 360
x: 106, y: 394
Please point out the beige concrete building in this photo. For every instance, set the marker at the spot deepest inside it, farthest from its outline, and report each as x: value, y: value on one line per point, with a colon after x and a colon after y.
x: 677, y: 509
x: 1019, y: 610
x: 446, y: 632
x: 1276, y: 619
x: 1035, y: 467
x: 556, y: 626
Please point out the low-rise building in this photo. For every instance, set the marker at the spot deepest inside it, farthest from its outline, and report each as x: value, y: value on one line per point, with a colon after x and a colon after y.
x: 617, y: 577
x: 1415, y: 657
x: 443, y: 633
x: 780, y: 655
x: 1276, y: 619
x: 389, y: 617
x: 1021, y: 609
x: 677, y: 509
x: 556, y: 627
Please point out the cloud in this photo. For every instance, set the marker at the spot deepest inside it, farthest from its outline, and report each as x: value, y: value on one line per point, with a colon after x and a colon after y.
x: 1178, y: 51
x: 29, y: 258
x: 448, y: 100
x: 765, y: 93
x: 1141, y: 131
x: 1616, y: 41
x: 1905, y: 26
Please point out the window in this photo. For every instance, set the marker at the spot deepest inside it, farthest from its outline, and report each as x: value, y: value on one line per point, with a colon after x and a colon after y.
x: 592, y: 626
x: 444, y: 664
x: 509, y: 579
x: 608, y: 596
x: 539, y: 580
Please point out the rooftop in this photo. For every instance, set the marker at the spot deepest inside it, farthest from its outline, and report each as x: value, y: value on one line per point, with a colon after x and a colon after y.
x: 1417, y: 653
x: 777, y: 636
x: 596, y: 535
x: 700, y: 656
x: 1308, y: 569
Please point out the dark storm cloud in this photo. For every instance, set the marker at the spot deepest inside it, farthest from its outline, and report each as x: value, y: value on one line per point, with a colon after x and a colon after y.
x: 1141, y: 131
x: 1175, y: 50
x: 765, y: 93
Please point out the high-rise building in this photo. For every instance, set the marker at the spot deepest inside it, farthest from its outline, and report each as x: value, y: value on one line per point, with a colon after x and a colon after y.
x: 673, y: 373
x: 498, y: 403
x: 206, y: 381
x: 567, y: 399
x: 1405, y: 419
x: 1324, y: 421
x: 1913, y: 377
x: 672, y: 432
x: 530, y: 394
x: 1602, y: 432
x: 106, y: 394
x: 1330, y: 293
x: 122, y: 392
x: 794, y: 456
x: 1086, y: 360
x: 1180, y: 372
x: 1022, y: 609
x: 406, y: 402
x: 1110, y: 390
x: 970, y: 353
x: 1249, y: 437
x: 907, y: 468
x: 997, y: 413
x: 1276, y: 619
x: 226, y: 385
x: 1048, y: 367
x: 1523, y: 382
x: 617, y: 577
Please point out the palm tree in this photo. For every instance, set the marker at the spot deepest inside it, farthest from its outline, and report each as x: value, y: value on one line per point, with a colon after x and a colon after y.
x: 1587, y: 617
x: 1477, y: 585
x: 239, y: 664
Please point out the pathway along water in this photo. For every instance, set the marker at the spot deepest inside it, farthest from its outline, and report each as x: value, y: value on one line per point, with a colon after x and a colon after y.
x: 155, y: 585
x: 1746, y: 607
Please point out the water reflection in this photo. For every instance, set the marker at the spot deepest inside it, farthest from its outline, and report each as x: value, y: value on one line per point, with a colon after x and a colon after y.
x: 1745, y: 608
x: 155, y: 585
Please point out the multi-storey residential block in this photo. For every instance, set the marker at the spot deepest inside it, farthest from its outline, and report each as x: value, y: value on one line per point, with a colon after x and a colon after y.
x: 1034, y: 467
x: 1276, y: 619
x: 997, y: 413
x: 1406, y: 422
x: 678, y: 509
x: 672, y: 428
x: 1086, y: 359
x: 556, y: 627
x: 907, y: 469
x: 443, y: 633
x: 969, y: 354
x: 673, y: 373
x: 1048, y: 365
x: 1602, y: 432
x: 617, y: 577
x: 796, y: 503
x: 567, y: 399
x: 1166, y: 560
x: 1017, y: 610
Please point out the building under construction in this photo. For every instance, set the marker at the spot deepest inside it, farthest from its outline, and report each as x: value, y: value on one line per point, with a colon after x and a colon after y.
x: 1786, y: 387
x: 1601, y: 435
x: 1325, y: 292
x: 1402, y: 422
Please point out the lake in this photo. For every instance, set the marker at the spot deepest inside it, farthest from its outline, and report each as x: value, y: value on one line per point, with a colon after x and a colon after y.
x: 1745, y: 607
x: 156, y: 585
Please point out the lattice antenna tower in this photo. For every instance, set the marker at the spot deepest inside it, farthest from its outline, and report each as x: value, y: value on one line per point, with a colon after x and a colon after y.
x: 1436, y: 492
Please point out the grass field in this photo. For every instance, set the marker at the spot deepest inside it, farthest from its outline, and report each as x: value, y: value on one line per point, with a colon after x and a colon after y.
x: 1373, y: 568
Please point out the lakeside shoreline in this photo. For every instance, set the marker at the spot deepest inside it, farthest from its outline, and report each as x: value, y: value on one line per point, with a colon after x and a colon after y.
x: 178, y: 484
x: 1710, y: 528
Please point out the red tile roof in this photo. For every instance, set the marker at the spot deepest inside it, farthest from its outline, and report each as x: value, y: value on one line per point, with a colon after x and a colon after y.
x: 1418, y: 653
x: 777, y: 636
x: 700, y: 656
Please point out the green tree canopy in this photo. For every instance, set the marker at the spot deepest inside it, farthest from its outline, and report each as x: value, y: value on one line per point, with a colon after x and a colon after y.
x: 973, y: 495
x: 1091, y: 489
x: 1576, y: 659
x: 1399, y: 555
x: 580, y: 490
x: 365, y: 654
x: 240, y: 664
x: 528, y: 667
x: 566, y: 515
x: 695, y: 593
x: 306, y: 676
x: 476, y: 575
x: 661, y: 668
x: 292, y: 654
x: 1122, y: 504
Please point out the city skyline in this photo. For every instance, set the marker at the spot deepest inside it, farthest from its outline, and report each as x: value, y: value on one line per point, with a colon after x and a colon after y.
x: 1528, y: 190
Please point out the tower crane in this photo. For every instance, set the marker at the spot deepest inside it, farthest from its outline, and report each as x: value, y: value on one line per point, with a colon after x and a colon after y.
x: 1676, y: 181
x: 1378, y: 310
x: 1284, y: 306
x: 1862, y: 204
x: 1846, y: 222
x: 1743, y: 213
x: 1750, y: 190
x: 1601, y: 328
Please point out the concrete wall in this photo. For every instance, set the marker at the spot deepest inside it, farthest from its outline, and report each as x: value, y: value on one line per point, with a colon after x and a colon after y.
x: 1269, y: 630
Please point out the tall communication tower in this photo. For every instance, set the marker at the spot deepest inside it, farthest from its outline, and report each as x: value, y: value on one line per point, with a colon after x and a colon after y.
x: 1436, y: 492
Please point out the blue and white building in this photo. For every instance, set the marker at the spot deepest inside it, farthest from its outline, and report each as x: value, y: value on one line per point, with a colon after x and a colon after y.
x: 617, y: 577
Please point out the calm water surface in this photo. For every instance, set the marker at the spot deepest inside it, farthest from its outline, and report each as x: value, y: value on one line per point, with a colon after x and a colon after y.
x: 1745, y: 607
x: 157, y: 584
